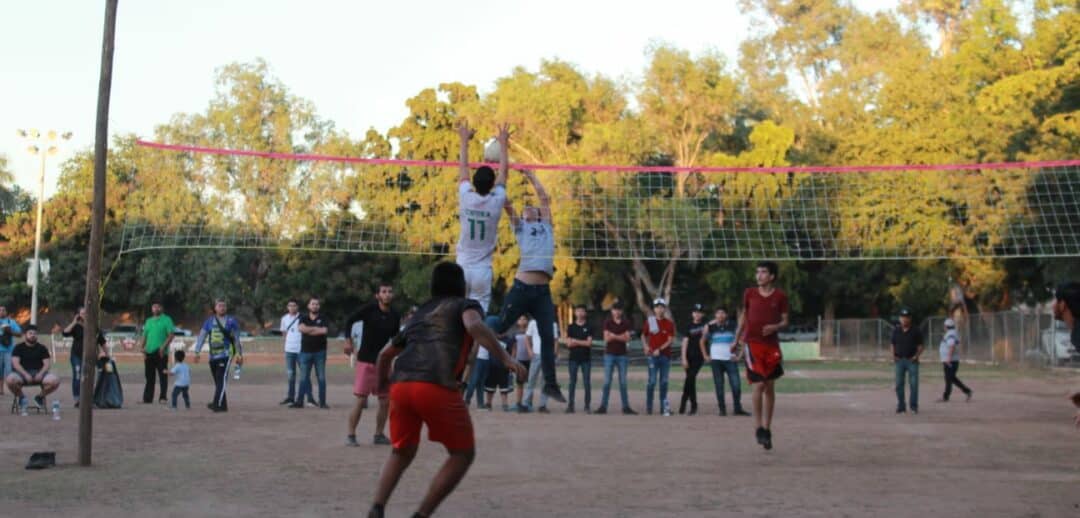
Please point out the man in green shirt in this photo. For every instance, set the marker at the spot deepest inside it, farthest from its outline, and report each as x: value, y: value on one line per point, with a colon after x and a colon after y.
x: 156, y: 338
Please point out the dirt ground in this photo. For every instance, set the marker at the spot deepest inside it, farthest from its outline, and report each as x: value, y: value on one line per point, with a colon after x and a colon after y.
x: 838, y: 452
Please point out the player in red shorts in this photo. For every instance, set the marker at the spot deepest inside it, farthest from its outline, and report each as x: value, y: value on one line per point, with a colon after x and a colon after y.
x: 431, y: 354
x: 764, y: 313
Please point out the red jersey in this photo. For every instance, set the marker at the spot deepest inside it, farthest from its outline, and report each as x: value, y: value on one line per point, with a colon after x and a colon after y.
x: 665, y: 333
x: 761, y: 311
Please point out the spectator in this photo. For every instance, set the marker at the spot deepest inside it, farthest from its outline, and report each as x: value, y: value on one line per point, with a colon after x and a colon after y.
x: 579, y: 341
x: 719, y: 338
x: 523, y: 353
x: 658, y: 334
x: 949, y: 351
x: 156, y: 338
x: 74, y: 330
x: 9, y: 329
x: 535, y: 367
x: 616, y: 336
x: 907, y: 346
x: 369, y: 330
x: 30, y: 364
x: 693, y: 357
x: 290, y: 329
x: 313, y: 353
x: 181, y: 380
x: 222, y: 333
x: 498, y: 377
x: 1067, y: 309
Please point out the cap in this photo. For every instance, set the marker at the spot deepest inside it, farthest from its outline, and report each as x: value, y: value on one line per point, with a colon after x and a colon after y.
x: 659, y: 302
x: 698, y: 307
x: 949, y: 324
x: 905, y: 312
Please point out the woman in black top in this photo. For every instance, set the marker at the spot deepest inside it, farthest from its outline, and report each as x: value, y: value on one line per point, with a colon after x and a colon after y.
x: 692, y: 359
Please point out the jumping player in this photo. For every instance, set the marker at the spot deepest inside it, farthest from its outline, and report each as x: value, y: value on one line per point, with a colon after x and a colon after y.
x: 480, y: 205
x: 429, y: 358
x: 764, y: 313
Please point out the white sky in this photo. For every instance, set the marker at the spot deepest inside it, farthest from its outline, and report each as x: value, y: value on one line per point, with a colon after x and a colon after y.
x: 357, y: 61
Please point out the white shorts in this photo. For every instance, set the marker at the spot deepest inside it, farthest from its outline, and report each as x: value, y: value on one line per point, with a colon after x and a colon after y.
x: 478, y: 281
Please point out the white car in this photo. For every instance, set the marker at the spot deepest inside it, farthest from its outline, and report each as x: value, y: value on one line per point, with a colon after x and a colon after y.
x: 1057, y: 343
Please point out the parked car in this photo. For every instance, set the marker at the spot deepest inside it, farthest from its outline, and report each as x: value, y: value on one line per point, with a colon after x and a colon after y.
x: 1056, y: 343
x: 179, y: 331
x: 799, y: 334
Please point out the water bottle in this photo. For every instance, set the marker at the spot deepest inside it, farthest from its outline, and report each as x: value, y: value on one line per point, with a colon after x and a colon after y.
x: 56, y: 410
x: 23, y: 411
x: 236, y: 373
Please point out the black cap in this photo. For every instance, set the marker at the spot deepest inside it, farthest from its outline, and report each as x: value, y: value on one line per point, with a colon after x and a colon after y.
x: 29, y: 327
x: 699, y: 308
x: 905, y: 312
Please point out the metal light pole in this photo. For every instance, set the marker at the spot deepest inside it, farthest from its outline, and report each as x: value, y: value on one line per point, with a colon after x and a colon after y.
x: 45, y: 145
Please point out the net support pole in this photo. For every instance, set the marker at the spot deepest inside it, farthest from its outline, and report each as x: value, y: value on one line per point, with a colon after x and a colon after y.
x: 97, y: 237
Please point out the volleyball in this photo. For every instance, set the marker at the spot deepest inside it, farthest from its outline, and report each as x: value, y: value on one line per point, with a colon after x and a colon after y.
x: 492, y: 151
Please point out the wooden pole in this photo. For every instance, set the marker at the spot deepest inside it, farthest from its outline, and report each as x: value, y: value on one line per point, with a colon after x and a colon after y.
x: 97, y: 238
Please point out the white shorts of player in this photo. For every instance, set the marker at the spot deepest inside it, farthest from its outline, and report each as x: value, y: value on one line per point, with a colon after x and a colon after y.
x: 478, y: 281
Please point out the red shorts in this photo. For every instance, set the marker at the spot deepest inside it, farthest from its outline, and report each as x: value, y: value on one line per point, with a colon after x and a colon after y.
x: 763, y: 362
x: 416, y: 403
x: 367, y: 380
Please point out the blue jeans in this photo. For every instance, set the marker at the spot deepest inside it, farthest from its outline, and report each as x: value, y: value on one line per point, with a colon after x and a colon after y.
x: 584, y: 366
x: 292, y: 361
x: 731, y: 369
x: 659, y: 367
x: 5, y: 365
x: 319, y: 361
x: 476, y: 382
x: 910, y: 368
x: 610, y: 362
x: 76, y: 376
x: 536, y: 301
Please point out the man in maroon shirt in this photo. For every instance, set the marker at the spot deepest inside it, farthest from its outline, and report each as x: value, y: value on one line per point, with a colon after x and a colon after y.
x: 659, y: 334
x: 764, y: 313
x: 616, y: 336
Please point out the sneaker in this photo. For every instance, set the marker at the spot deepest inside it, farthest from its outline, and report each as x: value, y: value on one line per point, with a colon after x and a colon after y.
x: 506, y: 408
x: 587, y: 411
x: 629, y: 411
x: 693, y: 411
x: 901, y: 411
x: 324, y: 406
x: 722, y: 412
x: 648, y: 411
x: 211, y: 406
x: 914, y: 411
x: 553, y: 392
x: 287, y: 401
x: 522, y: 409
x: 297, y: 404
x: 667, y: 412
x: 351, y: 441
x: 76, y: 403
x: 740, y: 412
x: 542, y: 410
x: 162, y: 401
x: 599, y: 411
x: 759, y: 434
x: 569, y: 410
x: 968, y: 396
x: 768, y: 439
x: 220, y: 409
x: 39, y: 401
x: 381, y: 440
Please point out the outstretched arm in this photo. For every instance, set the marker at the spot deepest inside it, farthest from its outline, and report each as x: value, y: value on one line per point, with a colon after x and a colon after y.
x: 509, y: 209
x: 466, y: 134
x: 504, y: 158
x: 541, y: 194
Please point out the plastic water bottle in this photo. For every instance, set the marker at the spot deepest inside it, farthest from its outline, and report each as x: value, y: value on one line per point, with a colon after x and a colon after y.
x: 23, y: 411
x: 56, y: 410
x: 236, y: 373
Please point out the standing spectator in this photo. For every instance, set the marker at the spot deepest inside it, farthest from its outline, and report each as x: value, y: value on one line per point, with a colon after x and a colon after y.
x: 579, y: 341
x: 74, y: 330
x: 222, y: 333
x: 30, y: 364
x: 156, y: 338
x: 498, y: 377
x: 658, y: 334
x: 616, y: 336
x: 523, y: 353
x: 949, y: 350
x: 313, y: 353
x: 9, y: 329
x: 719, y: 338
x: 535, y: 368
x: 478, y: 377
x: 907, y: 346
x: 369, y: 330
x: 290, y: 329
x: 693, y: 357
x: 181, y: 380
x: 1067, y: 309
x: 764, y: 313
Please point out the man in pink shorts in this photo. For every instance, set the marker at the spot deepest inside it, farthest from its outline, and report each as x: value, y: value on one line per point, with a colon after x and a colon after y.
x: 369, y: 329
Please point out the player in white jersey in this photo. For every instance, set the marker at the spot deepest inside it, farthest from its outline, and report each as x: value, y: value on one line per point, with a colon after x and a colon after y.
x: 480, y: 205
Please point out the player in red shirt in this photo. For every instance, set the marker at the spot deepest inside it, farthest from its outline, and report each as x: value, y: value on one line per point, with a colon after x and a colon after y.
x: 764, y: 313
x: 659, y: 334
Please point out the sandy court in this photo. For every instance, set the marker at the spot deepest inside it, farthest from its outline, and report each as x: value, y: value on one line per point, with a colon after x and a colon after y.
x: 1011, y: 452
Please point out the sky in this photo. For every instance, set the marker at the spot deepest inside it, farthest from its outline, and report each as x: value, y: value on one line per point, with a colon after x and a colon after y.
x: 357, y: 61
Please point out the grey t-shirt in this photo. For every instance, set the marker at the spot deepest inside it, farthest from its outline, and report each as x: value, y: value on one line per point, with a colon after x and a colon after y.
x: 536, y: 240
x: 435, y: 343
x: 951, y: 340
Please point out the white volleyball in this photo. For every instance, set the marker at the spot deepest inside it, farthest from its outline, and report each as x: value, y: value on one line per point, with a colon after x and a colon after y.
x: 492, y: 151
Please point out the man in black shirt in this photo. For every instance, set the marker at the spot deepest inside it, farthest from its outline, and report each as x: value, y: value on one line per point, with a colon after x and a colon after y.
x: 692, y: 358
x: 431, y: 354
x: 579, y: 341
x: 368, y: 331
x: 30, y: 363
x: 313, y: 327
x: 907, y: 346
x: 74, y: 330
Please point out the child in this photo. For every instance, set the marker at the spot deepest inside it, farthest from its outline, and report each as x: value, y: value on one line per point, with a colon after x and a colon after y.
x: 182, y: 376
x: 498, y: 379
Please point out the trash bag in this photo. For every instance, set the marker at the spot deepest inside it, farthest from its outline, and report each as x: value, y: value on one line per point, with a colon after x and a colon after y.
x: 107, y: 391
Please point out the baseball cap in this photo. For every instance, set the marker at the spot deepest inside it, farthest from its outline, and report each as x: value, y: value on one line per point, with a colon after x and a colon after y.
x: 659, y: 302
x: 950, y: 324
x: 698, y: 307
x: 905, y: 312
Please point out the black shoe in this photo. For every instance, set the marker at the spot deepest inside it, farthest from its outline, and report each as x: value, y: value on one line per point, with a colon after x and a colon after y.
x: 219, y: 409
x: 351, y: 441
x: 914, y: 411
x: 722, y: 412
x: 740, y: 412
x: 553, y: 392
x: 693, y: 410
x: 381, y: 439
x: 901, y: 411
x: 522, y: 409
x: 39, y: 400
x: 768, y: 439
x: 648, y: 411
x: 759, y: 434
x: 542, y: 410
x: 324, y: 406
x: 286, y: 401
x: 587, y: 410
x: 682, y: 409
x: 211, y: 406
x: 628, y: 411
x: 76, y: 403
x: 968, y: 395
x: 570, y: 410
x: 163, y: 401
x: 297, y: 404
x: 600, y: 411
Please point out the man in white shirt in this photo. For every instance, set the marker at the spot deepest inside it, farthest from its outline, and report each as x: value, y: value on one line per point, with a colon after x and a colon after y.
x: 480, y: 205
x: 536, y: 367
x: 290, y: 329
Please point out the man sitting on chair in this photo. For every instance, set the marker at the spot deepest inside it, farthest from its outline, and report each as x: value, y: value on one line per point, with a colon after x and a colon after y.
x: 30, y: 363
